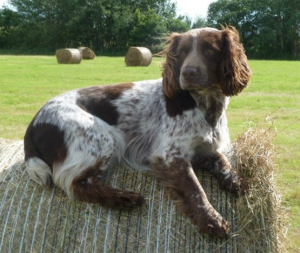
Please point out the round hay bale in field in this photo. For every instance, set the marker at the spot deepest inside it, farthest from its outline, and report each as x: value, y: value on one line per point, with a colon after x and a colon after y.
x: 138, y: 56
x: 33, y: 219
x: 86, y: 53
x: 68, y: 56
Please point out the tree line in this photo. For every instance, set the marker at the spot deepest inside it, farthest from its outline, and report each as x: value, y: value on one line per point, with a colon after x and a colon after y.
x: 103, y: 25
x: 269, y: 29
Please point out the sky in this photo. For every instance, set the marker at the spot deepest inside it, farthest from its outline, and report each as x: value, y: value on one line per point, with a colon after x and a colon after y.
x: 191, y: 8
x: 2, y: 2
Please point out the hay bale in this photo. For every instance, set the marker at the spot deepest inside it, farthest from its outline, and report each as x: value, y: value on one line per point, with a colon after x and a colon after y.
x: 68, y: 56
x: 33, y: 219
x: 138, y: 56
x: 86, y: 53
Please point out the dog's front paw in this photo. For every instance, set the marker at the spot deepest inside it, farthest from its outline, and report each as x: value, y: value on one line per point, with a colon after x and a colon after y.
x: 213, y: 224
x: 238, y: 187
x: 232, y: 183
x: 218, y: 227
x: 129, y: 200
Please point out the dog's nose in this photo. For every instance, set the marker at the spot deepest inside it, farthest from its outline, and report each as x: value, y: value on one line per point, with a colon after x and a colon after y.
x: 190, y: 73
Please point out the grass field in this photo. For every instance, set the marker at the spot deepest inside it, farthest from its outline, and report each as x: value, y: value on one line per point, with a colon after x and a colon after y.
x: 26, y: 83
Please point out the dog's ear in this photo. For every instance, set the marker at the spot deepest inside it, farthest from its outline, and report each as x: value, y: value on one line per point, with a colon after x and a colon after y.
x: 234, y: 71
x: 171, y: 68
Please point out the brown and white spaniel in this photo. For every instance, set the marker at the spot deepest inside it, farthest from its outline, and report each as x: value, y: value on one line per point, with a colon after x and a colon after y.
x: 166, y: 126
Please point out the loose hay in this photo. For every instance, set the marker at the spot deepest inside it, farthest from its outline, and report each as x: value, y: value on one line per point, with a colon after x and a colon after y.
x: 261, y: 219
x: 138, y: 56
x: 68, y: 56
x: 86, y: 53
x: 35, y: 220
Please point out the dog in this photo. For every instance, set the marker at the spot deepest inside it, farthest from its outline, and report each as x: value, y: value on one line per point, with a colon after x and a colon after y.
x: 167, y: 126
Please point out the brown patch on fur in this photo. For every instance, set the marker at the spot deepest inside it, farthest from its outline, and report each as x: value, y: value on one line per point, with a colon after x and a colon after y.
x: 171, y: 67
x: 213, y: 113
x: 182, y: 102
x: 184, y: 188
x: 213, y: 109
x: 233, y: 70
x: 97, y: 101
x: 45, y: 141
x: 90, y: 187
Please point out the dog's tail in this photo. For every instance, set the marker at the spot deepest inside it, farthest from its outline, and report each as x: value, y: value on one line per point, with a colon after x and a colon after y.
x: 38, y: 170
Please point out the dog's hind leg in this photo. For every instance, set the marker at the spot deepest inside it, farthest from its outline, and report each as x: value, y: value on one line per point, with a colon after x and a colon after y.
x: 90, y: 187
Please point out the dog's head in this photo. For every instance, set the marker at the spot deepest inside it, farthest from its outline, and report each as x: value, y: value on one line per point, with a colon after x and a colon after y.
x: 204, y: 58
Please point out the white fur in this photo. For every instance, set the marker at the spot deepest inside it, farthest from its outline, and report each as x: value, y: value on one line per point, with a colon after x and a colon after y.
x: 39, y: 171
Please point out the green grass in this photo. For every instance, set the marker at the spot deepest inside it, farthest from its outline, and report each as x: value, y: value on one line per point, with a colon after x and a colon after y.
x: 26, y: 83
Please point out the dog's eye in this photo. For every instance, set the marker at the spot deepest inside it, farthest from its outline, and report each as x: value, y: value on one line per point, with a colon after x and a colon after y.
x: 209, y: 51
x: 183, y: 54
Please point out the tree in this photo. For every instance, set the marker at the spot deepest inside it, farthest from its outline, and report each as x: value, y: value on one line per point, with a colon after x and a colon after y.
x: 268, y: 29
x: 147, y: 27
x: 291, y: 18
x: 199, y: 22
x: 179, y: 24
x: 9, y: 20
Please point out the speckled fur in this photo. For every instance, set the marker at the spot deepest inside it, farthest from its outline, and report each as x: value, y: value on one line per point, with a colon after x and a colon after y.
x: 163, y: 125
